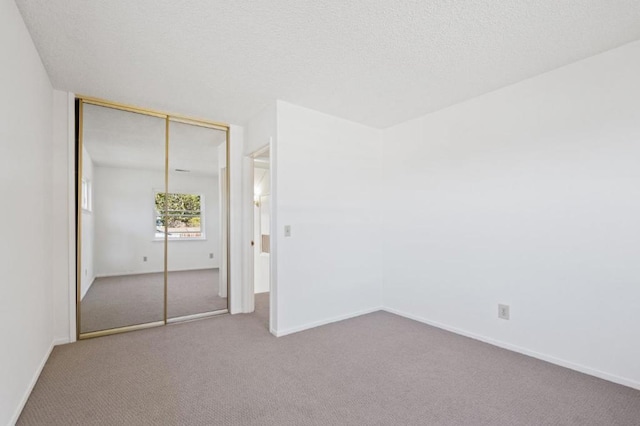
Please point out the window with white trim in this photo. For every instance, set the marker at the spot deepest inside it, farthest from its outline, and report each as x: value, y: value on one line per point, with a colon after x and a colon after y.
x: 86, y: 195
x: 184, y: 216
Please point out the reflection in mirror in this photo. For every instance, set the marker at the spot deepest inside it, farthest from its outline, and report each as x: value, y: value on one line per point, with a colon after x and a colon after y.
x: 195, y: 224
x: 122, y: 263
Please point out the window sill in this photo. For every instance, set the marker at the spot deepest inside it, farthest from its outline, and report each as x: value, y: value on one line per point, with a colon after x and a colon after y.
x: 161, y: 240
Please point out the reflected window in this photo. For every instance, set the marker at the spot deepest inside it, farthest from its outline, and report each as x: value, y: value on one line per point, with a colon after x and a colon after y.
x: 86, y: 195
x: 184, y: 216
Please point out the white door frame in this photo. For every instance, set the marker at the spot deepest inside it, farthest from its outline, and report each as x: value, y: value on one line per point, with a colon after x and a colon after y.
x: 249, y: 225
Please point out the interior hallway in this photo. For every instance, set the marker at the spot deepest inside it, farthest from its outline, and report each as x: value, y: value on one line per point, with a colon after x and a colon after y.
x: 374, y: 369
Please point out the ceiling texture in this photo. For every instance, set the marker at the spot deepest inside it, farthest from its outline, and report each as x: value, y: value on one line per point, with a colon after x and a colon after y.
x: 115, y: 138
x: 377, y: 62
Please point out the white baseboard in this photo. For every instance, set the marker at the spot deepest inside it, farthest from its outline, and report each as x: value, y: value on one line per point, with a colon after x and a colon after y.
x: 544, y: 357
x: 26, y: 395
x: 315, y: 324
x: 61, y: 341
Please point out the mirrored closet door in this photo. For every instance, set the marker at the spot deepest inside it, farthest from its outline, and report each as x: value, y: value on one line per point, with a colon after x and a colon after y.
x: 151, y: 190
x: 194, y: 237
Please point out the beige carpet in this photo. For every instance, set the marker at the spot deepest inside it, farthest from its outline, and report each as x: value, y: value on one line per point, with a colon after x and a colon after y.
x: 136, y: 299
x: 377, y: 369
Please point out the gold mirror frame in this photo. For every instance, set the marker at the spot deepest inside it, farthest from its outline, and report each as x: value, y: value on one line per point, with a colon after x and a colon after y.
x: 80, y: 101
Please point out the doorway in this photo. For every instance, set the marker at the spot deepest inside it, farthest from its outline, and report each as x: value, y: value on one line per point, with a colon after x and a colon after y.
x: 152, y: 219
x: 262, y: 232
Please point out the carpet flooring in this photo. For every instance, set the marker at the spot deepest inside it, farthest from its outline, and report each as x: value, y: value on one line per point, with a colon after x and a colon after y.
x: 376, y: 369
x: 136, y: 299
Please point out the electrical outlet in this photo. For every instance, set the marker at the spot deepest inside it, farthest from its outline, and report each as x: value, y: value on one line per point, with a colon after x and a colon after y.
x: 144, y: 259
x: 287, y: 230
x: 210, y: 255
x: 85, y: 272
x: 503, y: 312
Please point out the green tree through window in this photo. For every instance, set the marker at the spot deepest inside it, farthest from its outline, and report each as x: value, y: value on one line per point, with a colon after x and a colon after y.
x: 184, y: 215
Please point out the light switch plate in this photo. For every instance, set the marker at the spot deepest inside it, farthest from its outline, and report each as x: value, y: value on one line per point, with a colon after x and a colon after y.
x: 503, y: 312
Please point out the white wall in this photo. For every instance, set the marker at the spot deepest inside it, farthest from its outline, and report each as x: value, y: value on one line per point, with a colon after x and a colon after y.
x: 238, y: 292
x: 260, y: 129
x: 528, y: 196
x: 88, y: 229
x: 328, y: 183
x: 124, y: 214
x: 25, y: 186
x: 63, y: 217
x: 222, y: 214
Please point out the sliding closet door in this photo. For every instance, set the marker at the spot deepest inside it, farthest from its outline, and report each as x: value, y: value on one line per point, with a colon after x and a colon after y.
x: 195, y: 228
x: 122, y: 236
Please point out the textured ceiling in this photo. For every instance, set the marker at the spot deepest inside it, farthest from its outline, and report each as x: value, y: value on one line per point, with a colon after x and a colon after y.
x: 115, y: 138
x: 377, y: 62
